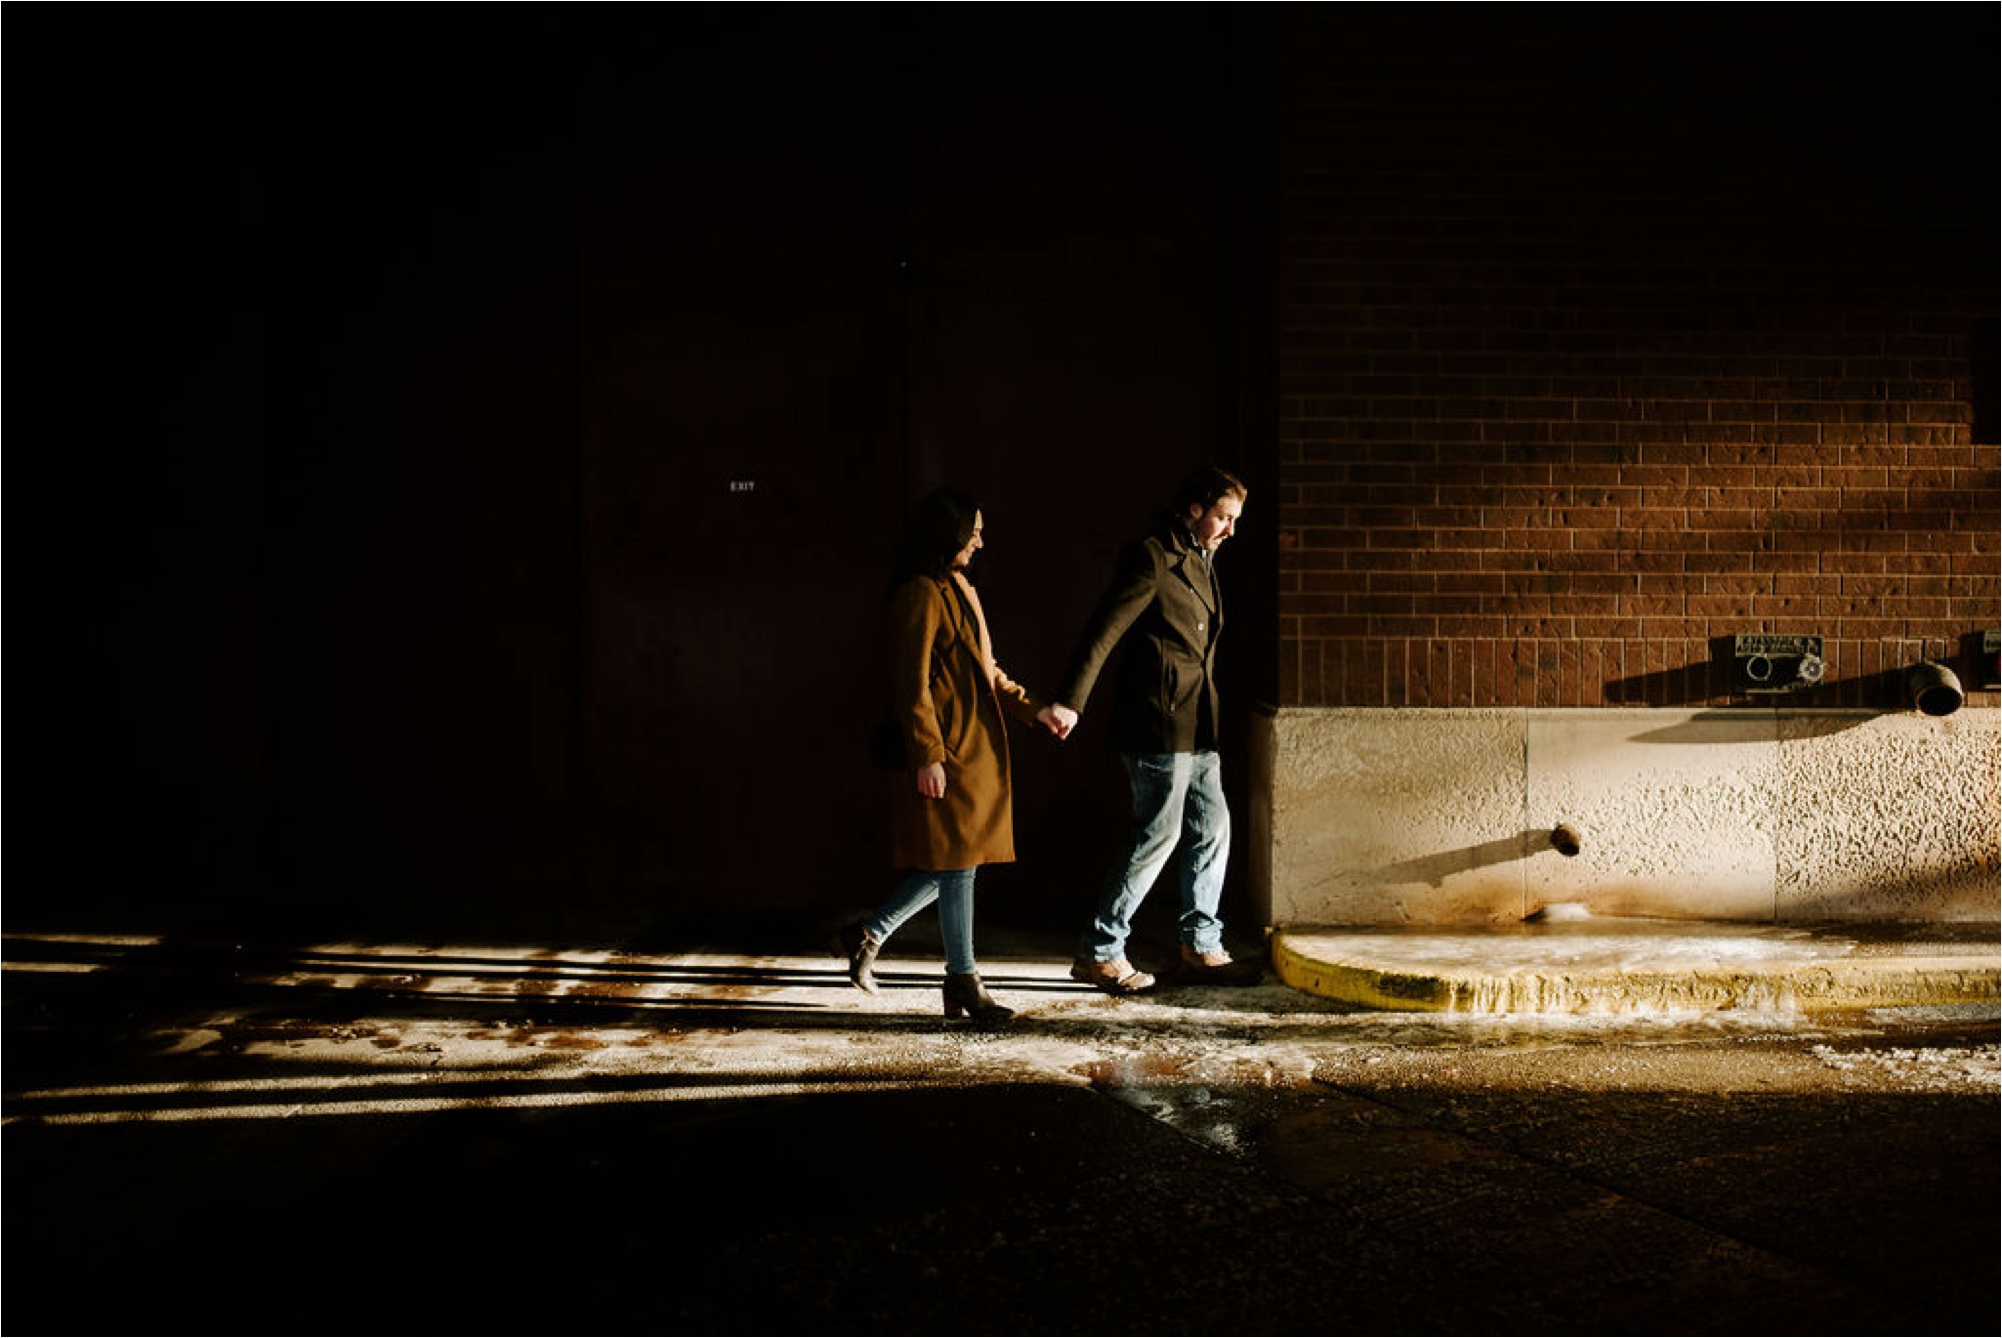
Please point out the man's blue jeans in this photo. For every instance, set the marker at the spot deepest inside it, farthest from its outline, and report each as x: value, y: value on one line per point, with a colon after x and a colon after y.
x: 1175, y: 796
x: 952, y: 889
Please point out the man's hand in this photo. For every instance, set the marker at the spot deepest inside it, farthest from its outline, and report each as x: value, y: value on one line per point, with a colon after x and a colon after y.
x: 1058, y: 720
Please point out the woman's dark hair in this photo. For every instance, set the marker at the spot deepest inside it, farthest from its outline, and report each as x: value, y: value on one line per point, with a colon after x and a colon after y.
x: 938, y: 529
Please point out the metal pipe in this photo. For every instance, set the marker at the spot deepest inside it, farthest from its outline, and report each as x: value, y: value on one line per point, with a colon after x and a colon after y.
x: 1934, y: 688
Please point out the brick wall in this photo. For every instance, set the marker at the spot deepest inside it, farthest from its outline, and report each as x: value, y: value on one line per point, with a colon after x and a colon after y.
x: 1599, y: 346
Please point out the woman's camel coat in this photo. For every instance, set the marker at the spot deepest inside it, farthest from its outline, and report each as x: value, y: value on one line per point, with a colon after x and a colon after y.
x: 949, y: 704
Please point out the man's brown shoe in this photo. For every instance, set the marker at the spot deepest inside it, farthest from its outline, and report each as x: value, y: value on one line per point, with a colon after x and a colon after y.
x: 1216, y: 967
x: 1114, y: 977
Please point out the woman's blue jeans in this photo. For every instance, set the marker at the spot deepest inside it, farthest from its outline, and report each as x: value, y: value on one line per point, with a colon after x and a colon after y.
x: 952, y: 889
x: 1176, y: 796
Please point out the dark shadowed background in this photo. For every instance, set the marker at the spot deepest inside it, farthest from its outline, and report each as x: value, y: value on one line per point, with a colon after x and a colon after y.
x: 453, y: 452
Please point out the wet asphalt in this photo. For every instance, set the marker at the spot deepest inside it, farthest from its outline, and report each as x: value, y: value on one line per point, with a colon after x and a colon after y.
x: 713, y: 1133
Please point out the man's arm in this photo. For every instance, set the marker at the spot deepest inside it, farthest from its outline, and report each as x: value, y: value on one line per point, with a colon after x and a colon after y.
x: 1134, y: 581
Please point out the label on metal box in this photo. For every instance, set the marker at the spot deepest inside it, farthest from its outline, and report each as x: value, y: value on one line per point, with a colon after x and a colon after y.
x: 1758, y: 644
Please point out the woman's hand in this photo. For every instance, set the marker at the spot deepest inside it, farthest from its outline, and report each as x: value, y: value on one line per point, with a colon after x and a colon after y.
x: 931, y: 780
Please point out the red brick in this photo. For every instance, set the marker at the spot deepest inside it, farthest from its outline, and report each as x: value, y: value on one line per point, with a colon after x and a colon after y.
x: 1594, y: 469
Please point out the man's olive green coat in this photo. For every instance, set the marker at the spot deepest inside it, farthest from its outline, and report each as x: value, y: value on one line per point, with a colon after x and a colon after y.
x: 1164, y: 604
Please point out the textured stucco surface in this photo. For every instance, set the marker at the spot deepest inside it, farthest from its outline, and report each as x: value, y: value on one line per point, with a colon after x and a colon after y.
x: 1444, y: 817
x: 1901, y: 821
x: 1676, y: 810
x: 1398, y: 817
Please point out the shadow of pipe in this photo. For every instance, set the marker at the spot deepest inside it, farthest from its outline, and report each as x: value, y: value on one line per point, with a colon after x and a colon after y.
x: 1435, y: 869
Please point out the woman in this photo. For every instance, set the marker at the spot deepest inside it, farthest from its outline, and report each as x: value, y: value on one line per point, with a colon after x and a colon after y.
x: 952, y: 811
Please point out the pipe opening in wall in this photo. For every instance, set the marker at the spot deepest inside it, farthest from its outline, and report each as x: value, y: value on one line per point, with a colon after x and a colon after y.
x: 1934, y: 688
x: 1565, y: 840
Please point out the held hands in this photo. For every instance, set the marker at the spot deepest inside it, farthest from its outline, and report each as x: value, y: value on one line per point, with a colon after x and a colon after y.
x: 1058, y: 720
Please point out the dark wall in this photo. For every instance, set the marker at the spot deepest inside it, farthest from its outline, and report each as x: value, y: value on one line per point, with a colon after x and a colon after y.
x: 453, y: 452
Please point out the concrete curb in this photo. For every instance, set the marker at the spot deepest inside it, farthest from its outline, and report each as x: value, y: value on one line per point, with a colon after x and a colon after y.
x: 1643, y: 966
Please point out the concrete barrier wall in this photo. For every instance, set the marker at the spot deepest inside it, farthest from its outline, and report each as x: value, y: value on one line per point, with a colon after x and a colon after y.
x: 1446, y: 816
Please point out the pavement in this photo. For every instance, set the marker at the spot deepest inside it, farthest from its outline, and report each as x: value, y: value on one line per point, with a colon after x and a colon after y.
x: 706, y: 1130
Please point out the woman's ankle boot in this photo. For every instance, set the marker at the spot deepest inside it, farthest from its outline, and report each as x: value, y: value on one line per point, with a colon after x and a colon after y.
x: 965, y: 994
x: 860, y: 947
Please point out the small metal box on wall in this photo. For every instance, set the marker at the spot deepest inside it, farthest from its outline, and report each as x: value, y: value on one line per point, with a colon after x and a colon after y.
x: 1768, y: 665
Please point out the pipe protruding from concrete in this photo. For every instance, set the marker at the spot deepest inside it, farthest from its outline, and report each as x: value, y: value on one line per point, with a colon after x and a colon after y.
x: 1565, y: 839
x: 1934, y: 688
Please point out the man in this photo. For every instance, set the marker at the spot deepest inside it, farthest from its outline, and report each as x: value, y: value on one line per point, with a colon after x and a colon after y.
x: 1163, y: 606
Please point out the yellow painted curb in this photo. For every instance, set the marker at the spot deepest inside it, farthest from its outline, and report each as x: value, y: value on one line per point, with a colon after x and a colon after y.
x: 1370, y: 977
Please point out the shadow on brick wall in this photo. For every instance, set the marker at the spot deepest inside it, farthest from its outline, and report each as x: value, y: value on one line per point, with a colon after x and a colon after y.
x: 1715, y: 683
x: 1701, y: 684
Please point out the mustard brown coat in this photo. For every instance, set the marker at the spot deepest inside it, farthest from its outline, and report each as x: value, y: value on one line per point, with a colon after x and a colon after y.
x: 950, y: 704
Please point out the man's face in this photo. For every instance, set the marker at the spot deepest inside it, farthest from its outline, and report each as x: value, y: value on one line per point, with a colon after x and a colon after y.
x: 1210, y: 528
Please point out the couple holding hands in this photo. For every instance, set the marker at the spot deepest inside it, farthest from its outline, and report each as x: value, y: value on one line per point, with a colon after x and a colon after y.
x: 951, y: 810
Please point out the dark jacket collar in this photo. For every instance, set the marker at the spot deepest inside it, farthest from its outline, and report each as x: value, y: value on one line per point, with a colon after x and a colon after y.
x: 1190, y: 562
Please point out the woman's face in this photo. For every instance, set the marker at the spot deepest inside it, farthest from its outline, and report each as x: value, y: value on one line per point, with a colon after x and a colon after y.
x: 973, y: 545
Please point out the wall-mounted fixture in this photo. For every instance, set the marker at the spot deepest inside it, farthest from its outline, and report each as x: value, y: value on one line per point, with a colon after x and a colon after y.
x: 1934, y: 688
x: 1566, y: 839
x: 1988, y: 672
x: 1773, y: 664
